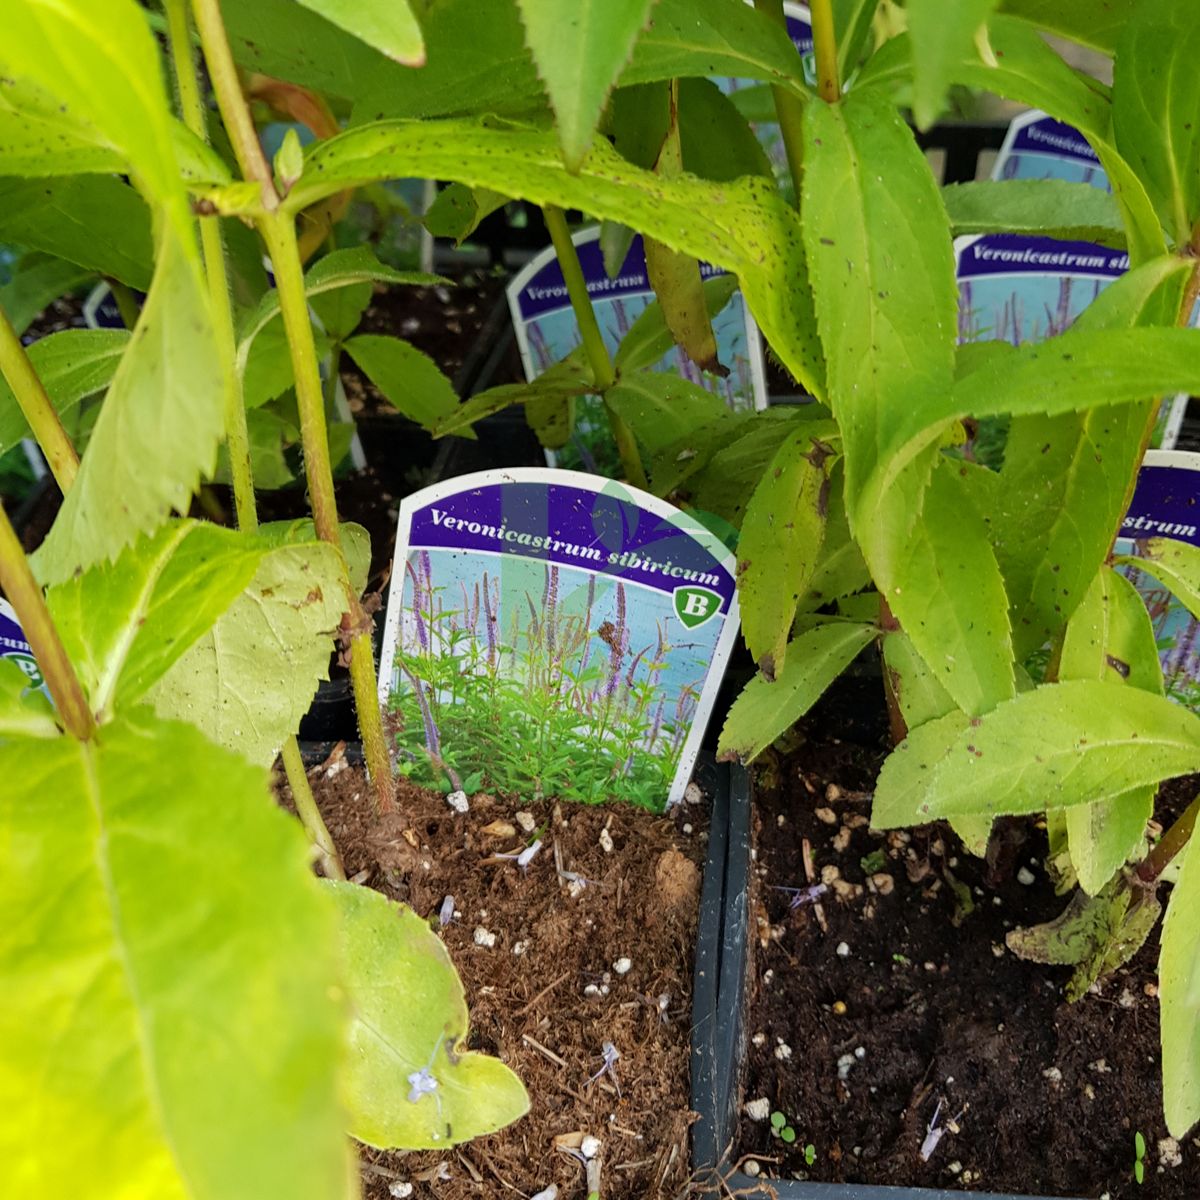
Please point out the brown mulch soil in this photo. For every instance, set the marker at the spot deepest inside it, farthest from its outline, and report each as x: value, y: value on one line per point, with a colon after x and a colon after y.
x: 910, y: 990
x: 546, y: 996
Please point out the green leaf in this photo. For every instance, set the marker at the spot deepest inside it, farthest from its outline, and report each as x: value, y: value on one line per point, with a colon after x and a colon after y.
x: 23, y: 711
x: 164, y: 407
x: 566, y: 379
x: 458, y: 210
x: 840, y: 569
x: 744, y: 226
x: 950, y: 599
x: 289, y: 160
x: 883, y: 277
x: 1048, y: 207
x: 711, y: 37
x: 248, y: 681
x: 852, y: 20
x: 649, y: 338
x: 780, y: 545
x: 409, y: 378
x: 1085, y: 21
x: 72, y: 365
x: 580, y: 50
x: 95, y: 221
x: 409, y: 1015
x: 38, y: 280
x: 661, y: 407
x: 1179, y: 998
x: 169, y: 1022
x: 1156, y: 95
x: 1061, y: 744
x: 124, y: 624
x: 916, y: 689
x: 96, y: 72
x: 340, y: 269
x: 388, y: 25
x: 764, y: 710
x: 941, y: 35
x: 1110, y: 638
x: 1176, y: 565
x: 717, y: 140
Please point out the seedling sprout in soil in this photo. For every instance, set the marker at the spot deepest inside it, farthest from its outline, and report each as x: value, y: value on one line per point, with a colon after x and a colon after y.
x: 1139, y: 1157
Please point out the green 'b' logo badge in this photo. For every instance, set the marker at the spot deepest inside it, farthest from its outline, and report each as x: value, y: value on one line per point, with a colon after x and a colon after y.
x: 694, y: 605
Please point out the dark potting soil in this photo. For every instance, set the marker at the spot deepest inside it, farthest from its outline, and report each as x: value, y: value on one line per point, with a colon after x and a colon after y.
x: 547, y: 995
x: 900, y: 993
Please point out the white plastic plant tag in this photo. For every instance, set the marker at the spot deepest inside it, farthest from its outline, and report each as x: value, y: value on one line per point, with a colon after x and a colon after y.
x: 1015, y: 288
x: 547, y: 331
x: 1166, y: 504
x: 15, y: 648
x: 550, y: 633
x: 1039, y: 147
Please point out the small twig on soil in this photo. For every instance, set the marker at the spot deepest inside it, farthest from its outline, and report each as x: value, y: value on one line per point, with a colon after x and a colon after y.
x: 547, y: 989
x: 491, y: 1166
x: 634, y: 1166
x: 554, y: 1058
x: 472, y: 1169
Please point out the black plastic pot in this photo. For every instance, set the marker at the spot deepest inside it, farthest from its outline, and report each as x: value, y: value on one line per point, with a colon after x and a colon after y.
x: 723, y: 958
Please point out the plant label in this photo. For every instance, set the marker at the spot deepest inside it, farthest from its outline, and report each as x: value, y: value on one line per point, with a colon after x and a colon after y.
x: 1039, y: 147
x: 1166, y: 504
x: 14, y: 647
x: 547, y: 331
x: 551, y: 633
x: 1016, y: 288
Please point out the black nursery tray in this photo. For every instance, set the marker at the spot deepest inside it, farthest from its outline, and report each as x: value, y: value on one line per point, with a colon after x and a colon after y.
x: 723, y: 951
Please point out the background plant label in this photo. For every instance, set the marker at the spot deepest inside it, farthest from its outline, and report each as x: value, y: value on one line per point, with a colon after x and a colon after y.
x: 1039, y: 147
x: 1016, y: 288
x: 547, y: 331
x: 1166, y: 503
x: 14, y: 647
x: 550, y: 633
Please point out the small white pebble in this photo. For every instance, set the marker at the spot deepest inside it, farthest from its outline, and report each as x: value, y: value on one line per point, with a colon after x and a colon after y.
x: 768, y: 975
x: 459, y: 802
x: 758, y: 1110
x: 687, y: 828
x: 692, y: 794
x: 843, y: 950
x: 997, y: 901
x: 844, y: 1066
x: 1127, y: 999
x: 1026, y: 877
x: 591, y: 990
x: 1169, y: 1154
x: 955, y: 1168
x: 997, y: 950
x: 400, y: 1189
x: 519, y: 948
x: 860, y: 1052
x: 550, y: 1193
x: 575, y: 888
x: 827, y: 815
x: 781, y: 820
x: 1100, y: 1066
x: 759, y: 1039
x: 484, y: 937
x: 841, y: 840
x: 783, y: 1052
x: 604, y: 989
x: 830, y: 874
x: 623, y: 966
x: 606, y: 842
x: 590, y: 1146
x: 751, y: 1167
x: 1053, y: 1074
x: 526, y: 821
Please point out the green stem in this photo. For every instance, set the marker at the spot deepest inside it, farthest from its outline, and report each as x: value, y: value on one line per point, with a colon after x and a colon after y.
x: 1174, y: 840
x: 593, y: 340
x: 36, y: 405
x: 309, y: 813
x: 829, y: 86
x: 788, y: 108
x: 237, y: 437
x: 279, y: 234
x: 26, y: 598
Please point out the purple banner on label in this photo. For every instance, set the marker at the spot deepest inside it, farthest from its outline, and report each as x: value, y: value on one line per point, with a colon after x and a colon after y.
x: 1166, y: 501
x: 546, y: 292
x: 599, y: 531
x: 1048, y: 136
x: 1012, y: 253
